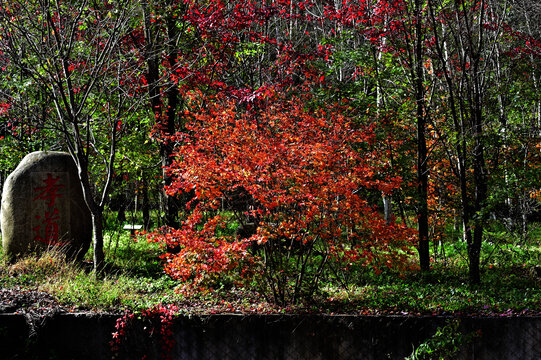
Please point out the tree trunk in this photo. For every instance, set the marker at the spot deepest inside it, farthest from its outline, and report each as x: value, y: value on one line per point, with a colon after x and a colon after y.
x: 96, y: 210
x: 422, y: 193
x: 422, y: 152
x: 169, y: 124
x: 479, y: 165
x: 387, y: 208
x: 97, y: 237
x: 474, y: 252
x: 121, y: 213
x: 474, y: 255
x: 166, y: 122
x: 145, y: 206
x: 479, y: 178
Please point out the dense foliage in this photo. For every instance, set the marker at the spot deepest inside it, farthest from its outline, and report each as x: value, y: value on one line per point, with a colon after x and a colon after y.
x: 296, y: 182
x: 301, y: 143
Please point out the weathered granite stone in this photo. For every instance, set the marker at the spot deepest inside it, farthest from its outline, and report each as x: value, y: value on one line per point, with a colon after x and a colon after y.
x: 43, y: 207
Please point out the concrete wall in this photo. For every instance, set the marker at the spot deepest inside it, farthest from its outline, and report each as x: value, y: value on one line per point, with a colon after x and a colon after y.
x: 239, y: 337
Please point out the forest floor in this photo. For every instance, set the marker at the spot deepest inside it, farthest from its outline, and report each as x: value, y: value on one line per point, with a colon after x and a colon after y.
x: 32, y: 302
x: 511, y: 286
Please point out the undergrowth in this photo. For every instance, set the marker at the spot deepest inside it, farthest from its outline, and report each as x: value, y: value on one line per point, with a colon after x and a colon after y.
x: 134, y: 280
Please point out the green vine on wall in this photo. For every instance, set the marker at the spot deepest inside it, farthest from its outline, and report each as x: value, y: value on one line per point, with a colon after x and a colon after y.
x: 445, y: 344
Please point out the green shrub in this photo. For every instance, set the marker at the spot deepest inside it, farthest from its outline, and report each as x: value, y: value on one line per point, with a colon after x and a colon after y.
x: 445, y: 344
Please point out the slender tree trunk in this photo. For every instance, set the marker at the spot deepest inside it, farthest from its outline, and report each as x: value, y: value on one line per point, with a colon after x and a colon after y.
x: 80, y: 157
x: 169, y: 123
x: 474, y: 249
x: 97, y: 240
x: 166, y: 121
x: 121, y: 213
x: 479, y: 166
x: 152, y: 59
x: 474, y: 253
x: 422, y: 153
x: 422, y: 193
x: 96, y: 210
x: 387, y: 208
x: 145, y: 206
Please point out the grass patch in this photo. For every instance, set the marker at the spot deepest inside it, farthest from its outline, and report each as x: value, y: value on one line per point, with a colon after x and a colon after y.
x: 133, y: 280
x: 444, y: 290
x: 510, y: 275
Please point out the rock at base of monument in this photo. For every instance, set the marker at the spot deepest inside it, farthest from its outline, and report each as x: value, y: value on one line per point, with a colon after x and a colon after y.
x: 43, y: 208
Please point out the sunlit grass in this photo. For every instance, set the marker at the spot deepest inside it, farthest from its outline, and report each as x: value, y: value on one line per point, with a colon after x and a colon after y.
x: 133, y: 278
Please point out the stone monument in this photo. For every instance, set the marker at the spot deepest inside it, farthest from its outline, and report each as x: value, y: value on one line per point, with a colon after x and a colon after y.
x: 43, y: 207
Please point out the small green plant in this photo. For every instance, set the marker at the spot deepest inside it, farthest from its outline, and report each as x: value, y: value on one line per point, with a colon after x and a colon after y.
x: 445, y: 344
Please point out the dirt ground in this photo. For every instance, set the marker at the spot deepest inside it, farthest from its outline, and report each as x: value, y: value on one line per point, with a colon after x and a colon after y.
x: 28, y: 301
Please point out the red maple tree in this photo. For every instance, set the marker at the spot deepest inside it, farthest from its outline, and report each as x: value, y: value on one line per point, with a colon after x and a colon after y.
x: 305, y: 175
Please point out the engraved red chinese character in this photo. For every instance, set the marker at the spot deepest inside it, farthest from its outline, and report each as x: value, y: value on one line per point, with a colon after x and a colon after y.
x: 51, y: 228
x: 49, y: 191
